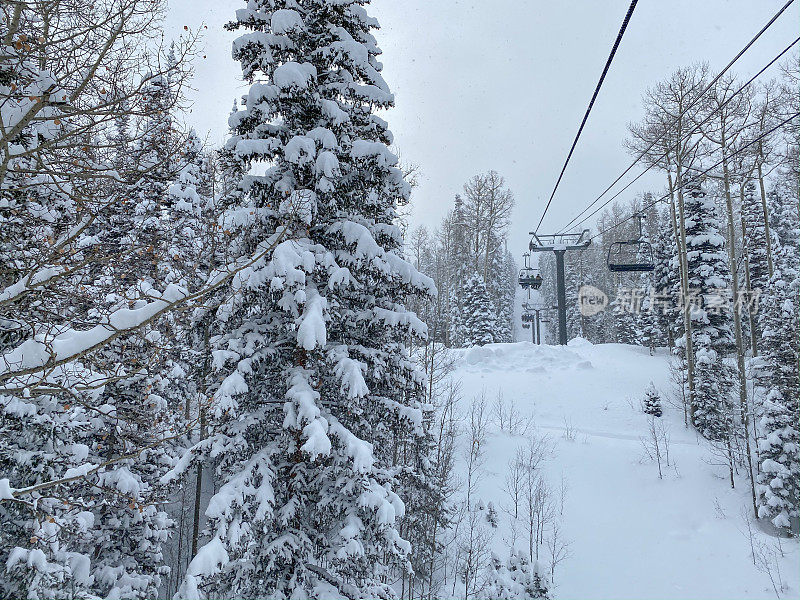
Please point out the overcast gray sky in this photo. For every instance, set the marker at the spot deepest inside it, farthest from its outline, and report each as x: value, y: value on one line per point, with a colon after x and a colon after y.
x: 503, y: 85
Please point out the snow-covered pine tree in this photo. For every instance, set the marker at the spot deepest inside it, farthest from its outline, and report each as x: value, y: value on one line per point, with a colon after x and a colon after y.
x: 588, y: 267
x: 121, y: 142
x: 502, y: 287
x: 317, y: 387
x: 515, y: 579
x: 479, y: 315
x: 778, y: 479
x: 510, y: 285
x: 459, y: 264
x: 648, y: 327
x: 711, y: 331
x: 755, y: 239
x: 651, y: 405
x: 164, y: 233
x: 191, y: 246
x: 666, y: 280
x: 624, y: 307
x: 782, y: 203
x: 154, y: 158
x: 227, y: 173
x: 575, y: 275
x: 547, y: 293
x: 191, y: 235
x: 754, y: 252
x: 152, y: 399
x: 457, y: 322
x: 427, y: 510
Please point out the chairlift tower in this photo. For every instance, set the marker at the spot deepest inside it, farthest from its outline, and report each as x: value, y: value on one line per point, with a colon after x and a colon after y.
x: 532, y: 316
x: 560, y: 244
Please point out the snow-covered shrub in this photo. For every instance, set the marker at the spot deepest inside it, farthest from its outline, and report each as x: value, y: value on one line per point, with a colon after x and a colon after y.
x: 515, y: 579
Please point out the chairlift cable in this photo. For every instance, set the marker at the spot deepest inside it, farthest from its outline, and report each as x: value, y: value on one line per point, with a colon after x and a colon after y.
x: 691, y: 104
x: 692, y: 132
x: 591, y: 104
x: 704, y: 172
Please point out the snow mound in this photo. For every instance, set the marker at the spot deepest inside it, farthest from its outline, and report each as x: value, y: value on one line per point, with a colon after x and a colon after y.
x: 523, y: 356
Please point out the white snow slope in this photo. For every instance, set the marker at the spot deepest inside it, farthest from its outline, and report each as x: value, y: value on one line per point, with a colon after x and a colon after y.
x: 632, y: 535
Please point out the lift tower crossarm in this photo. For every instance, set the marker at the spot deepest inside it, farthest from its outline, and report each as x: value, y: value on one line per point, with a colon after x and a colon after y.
x: 559, y: 244
x: 559, y: 241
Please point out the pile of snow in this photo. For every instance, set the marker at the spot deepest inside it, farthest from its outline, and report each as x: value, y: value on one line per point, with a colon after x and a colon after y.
x: 522, y: 356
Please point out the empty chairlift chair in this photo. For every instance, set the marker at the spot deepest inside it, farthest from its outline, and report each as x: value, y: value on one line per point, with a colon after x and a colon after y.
x: 631, y: 256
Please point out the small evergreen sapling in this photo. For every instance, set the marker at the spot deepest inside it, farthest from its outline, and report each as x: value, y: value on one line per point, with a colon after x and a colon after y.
x: 491, y: 515
x: 652, y: 401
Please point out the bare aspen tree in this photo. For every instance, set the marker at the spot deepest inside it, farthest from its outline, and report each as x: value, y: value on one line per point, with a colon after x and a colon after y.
x: 508, y: 416
x: 764, y: 118
x: 537, y: 497
x: 78, y: 69
x: 656, y: 444
x: 446, y: 430
x: 473, y: 544
x: 514, y: 486
x: 724, y: 130
x: 669, y: 125
x: 558, y: 548
x: 488, y: 209
x: 76, y: 144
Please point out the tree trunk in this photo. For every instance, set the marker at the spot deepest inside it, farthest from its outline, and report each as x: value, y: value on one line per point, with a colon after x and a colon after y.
x: 766, y: 217
x: 737, y: 321
x: 748, y: 282
x: 683, y: 259
x: 202, y: 415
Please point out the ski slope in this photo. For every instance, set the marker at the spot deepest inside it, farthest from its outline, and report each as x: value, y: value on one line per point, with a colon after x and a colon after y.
x: 632, y: 535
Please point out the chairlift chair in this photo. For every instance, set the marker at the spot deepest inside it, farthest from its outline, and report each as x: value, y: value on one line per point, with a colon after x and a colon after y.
x: 528, y: 318
x: 529, y: 277
x: 631, y: 256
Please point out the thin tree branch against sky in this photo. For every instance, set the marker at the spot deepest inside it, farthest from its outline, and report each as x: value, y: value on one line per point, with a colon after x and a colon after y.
x: 503, y: 86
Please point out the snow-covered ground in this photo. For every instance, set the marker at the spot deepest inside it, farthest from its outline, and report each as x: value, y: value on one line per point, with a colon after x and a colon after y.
x: 632, y: 535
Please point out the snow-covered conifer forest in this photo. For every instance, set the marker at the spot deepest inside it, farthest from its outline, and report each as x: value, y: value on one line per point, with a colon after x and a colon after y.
x: 249, y: 369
